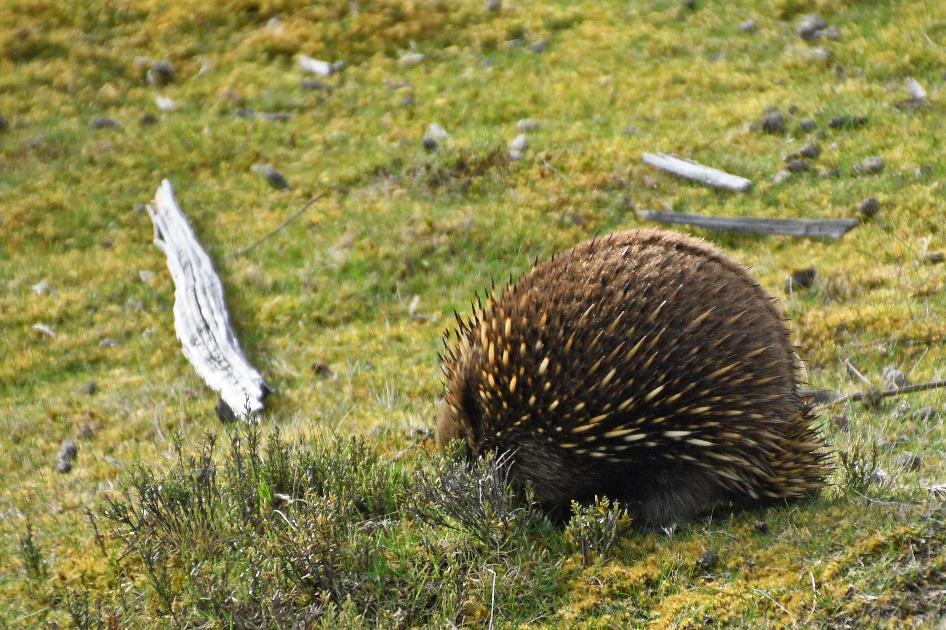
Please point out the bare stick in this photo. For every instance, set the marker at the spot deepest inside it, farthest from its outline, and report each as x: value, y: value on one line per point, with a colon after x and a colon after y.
x: 279, y: 228
x: 697, y: 172
x: 832, y: 229
x: 820, y: 395
x: 200, y: 313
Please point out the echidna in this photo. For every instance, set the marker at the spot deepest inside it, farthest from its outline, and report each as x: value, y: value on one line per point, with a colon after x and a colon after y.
x: 645, y: 366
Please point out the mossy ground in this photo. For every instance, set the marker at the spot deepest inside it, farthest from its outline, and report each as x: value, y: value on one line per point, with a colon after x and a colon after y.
x: 395, y: 222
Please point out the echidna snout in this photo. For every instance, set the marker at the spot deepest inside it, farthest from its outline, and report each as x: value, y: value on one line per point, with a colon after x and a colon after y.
x: 646, y: 366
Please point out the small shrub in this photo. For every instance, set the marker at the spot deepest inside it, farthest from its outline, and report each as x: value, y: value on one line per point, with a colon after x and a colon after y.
x: 859, y: 468
x: 30, y: 555
x: 593, y: 529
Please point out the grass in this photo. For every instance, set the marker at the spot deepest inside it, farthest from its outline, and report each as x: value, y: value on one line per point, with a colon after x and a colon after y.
x: 348, y: 516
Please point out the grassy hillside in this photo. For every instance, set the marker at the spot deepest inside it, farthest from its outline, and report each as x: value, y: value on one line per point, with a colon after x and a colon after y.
x: 343, y: 310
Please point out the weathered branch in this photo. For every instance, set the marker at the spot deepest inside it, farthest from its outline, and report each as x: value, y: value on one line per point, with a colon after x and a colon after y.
x: 828, y: 398
x: 831, y: 228
x: 697, y: 172
x: 200, y: 313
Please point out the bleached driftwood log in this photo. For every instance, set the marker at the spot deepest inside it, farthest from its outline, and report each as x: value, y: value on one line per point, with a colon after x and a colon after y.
x: 200, y: 313
x: 695, y: 171
x: 830, y: 228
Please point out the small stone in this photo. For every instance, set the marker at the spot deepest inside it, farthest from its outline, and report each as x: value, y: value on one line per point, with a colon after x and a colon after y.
x: 708, y: 560
x: 494, y: 6
x: 43, y: 329
x: 146, y: 276
x: 527, y: 124
x: 841, y: 422
x: 773, y: 122
x: 781, y: 177
x: 871, y: 166
x: 915, y: 90
x: 430, y: 145
x: 105, y: 123
x: 161, y: 73
x: 63, y: 467
x: 520, y: 143
x: 798, y: 166
x: 761, y: 527
x: 41, y: 288
x: 148, y: 119
x: 893, y: 378
x: 748, y: 26
x: 108, y: 343
x: 935, y: 258
x: 165, y: 104
x: 811, y: 151
x: 274, y: 177
x: 322, y: 371
x: 848, y: 122
x: 86, y: 432
x: 800, y: 279
x: 407, y: 100
x: 908, y: 461
x: 925, y: 415
x: 89, y: 388
x: 316, y: 66
x: 807, y: 125
x: 411, y: 59
x: 539, y: 46
x: 68, y: 451
x: 869, y: 208
x: 831, y: 173
x: 831, y: 33
x: 810, y: 26
x: 902, y: 410
x: 436, y: 132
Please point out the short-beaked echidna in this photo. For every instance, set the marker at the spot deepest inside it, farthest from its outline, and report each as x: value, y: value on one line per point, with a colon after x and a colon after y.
x: 645, y: 366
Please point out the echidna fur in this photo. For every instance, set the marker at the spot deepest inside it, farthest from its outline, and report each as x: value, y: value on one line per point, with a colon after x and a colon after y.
x: 645, y: 366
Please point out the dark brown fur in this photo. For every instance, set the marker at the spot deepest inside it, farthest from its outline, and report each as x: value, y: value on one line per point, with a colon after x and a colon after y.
x: 645, y: 366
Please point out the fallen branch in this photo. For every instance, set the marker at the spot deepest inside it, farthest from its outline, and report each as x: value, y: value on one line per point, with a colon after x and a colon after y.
x: 697, y: 172
x: 827, y: 398
x: 276, y: 230
x: 201, y: 320
x: 831, y: 228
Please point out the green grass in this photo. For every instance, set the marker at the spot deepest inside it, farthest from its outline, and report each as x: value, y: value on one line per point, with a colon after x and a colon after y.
x: 396, y: 222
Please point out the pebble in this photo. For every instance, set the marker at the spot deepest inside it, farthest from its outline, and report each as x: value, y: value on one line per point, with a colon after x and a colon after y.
x: 869, y: 208
x: 871, y: 166
x: 44, y: 329
x: 319, y: 67
x: 773, y: 122
x: 527, y: 124
x: 274, y: 177
x: 146, y: 276
x: 748, y: 26
x: 494, y: 5
x: 105, y: 123
x: 148, y: 119
x: 893, y: 377
x: 935, y: 258
x: 761, y: 527
x: 817, y: 54
x: 411, y: 59
x: 708, y: 560
x: 908, y: 461
x: 810, y: 27
x: 539, y: 46
x: 798, y: 166
x: 407, y: 100
x: 108, y: 343
x: 89, y: 388
x: 781, y: 177
x: 807, y: 125
x: 926, y: 414
x: 915, y: 90
x: 831, y: 33
x: 41, y: 288
x: 842, y: 422
x: 429, y: 144
x: 161, y: 73
x: 800, y: 279
x: 811, y: 151
x: 164, y: 104
x: 63, y: 467
x: 902, y: 411
x: 520, y: 143
x: 87, y: 432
